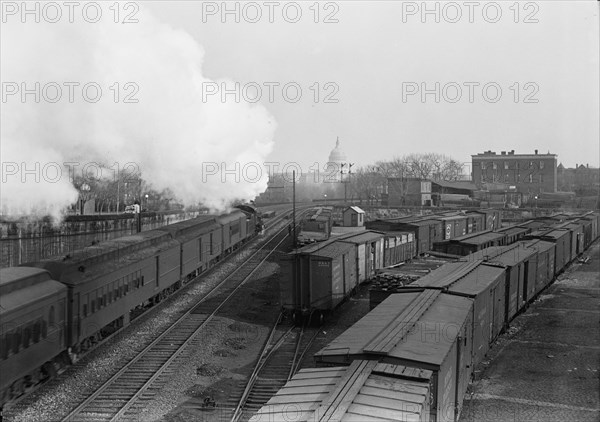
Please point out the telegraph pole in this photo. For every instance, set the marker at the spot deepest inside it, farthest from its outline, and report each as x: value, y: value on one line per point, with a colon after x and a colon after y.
x: 294, y: 207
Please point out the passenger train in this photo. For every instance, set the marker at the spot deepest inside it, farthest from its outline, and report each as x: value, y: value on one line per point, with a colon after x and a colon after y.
x: 53, y: 310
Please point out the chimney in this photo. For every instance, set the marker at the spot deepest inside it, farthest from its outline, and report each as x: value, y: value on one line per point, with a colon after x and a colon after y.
x: 512, y: 151
x: 503, y: 152
x: 536, y: 152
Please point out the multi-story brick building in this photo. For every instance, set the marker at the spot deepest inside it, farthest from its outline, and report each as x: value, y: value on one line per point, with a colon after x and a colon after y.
x: 525, y: 173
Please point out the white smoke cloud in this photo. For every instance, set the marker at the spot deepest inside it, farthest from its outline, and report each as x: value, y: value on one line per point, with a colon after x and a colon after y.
x: 169, y: 133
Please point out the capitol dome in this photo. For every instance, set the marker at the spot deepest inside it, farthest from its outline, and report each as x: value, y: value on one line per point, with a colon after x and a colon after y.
x: 337, y: 155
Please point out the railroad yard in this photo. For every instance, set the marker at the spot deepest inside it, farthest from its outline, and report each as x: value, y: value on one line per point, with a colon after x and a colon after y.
x: 546, y: 367
x: 221, y: 347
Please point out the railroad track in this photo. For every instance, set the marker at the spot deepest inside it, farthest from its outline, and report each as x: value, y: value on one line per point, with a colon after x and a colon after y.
x: 279, y: 360
x: 123, y: 395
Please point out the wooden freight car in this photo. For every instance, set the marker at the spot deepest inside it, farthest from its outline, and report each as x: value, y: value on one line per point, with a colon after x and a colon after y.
x: 427, y: 330
x: 485, y: 285
x: 317, y: 278
x: 426, y: 232
x: 398, y: 247
x: 363, y: 391
x: 562, y: 240
x: 521, y: 267
x: 545, y: 262
x: 469, y: 243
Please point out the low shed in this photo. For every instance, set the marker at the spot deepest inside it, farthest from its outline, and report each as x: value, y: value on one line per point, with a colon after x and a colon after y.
x: 353, y: 217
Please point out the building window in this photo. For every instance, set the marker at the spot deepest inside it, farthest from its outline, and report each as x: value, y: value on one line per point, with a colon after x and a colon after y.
x: 506, y: 165
x: 531, y: 178
x: 483, y: 165
x: 530, y: 164
x: 541, y: 165
x: 494, y: 166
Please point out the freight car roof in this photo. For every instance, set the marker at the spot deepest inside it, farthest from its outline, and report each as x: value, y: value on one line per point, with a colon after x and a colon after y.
x: 362, y: 237
x: 363, y: 391
x: 470, y: 278
x: 478, y: 238
x: 539, y: 245
x: 398, y: 329
x: 502, y: 255
x: 333, y: 250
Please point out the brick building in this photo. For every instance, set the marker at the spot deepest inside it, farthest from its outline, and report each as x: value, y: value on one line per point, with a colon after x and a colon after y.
x: 525, y: 173
x: 408, y: 191
x: 583, y: 179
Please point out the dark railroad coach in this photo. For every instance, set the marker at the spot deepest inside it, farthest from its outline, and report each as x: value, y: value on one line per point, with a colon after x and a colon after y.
x: 34, y: 328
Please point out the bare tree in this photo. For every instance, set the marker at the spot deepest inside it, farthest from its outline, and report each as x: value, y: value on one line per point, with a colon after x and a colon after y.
x: 368, y: 183
x: 424, y: 166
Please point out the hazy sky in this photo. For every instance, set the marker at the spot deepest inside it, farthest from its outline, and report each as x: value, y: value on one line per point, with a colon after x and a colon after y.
x: 545, y: 64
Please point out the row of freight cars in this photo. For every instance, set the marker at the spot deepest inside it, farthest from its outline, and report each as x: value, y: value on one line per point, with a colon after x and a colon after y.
x: 432, y: 228
x: 319, y: 276
x: 54, y: 309
x: 412, y: 357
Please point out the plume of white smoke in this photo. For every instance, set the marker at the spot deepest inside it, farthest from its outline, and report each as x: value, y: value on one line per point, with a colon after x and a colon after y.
x: 172, y: 134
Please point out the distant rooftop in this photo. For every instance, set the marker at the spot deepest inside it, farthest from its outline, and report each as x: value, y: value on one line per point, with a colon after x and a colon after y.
x: 511, y: 153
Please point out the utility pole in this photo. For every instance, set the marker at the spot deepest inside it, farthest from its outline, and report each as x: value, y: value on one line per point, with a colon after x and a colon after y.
x: 345, y: 182
x: 294, y: 207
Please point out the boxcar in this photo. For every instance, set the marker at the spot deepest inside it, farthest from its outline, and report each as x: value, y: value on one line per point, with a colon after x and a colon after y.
x: 453, y: 226
x: 492, y: 218
x: 577, y: 237
x: 562, y: 240
x: 469, y: 243
x: 475, y: 222
x: 426, y: 330
x: 317, y: 278
x: 513, y: 234
x: 33, y: 331
x: 398, y: 247
x: 545, y: 262
x: 369, y: 252
x: 521, y: 267
x: 482, y: 283
x: 426, y: 231
x: 362, y: 391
